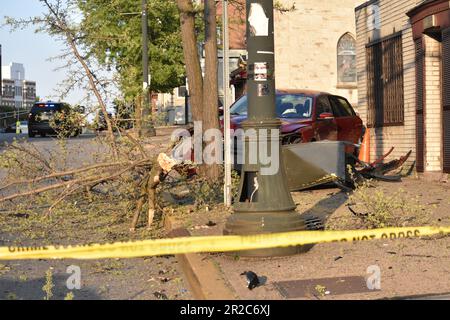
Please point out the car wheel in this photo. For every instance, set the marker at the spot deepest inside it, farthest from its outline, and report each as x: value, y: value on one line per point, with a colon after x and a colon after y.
x: 31, y: 134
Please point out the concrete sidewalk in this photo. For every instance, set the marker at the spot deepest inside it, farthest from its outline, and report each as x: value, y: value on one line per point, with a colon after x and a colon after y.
x: 409, y: 268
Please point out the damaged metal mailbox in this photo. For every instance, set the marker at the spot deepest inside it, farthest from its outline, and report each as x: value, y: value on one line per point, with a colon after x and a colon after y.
x: 313, y: 164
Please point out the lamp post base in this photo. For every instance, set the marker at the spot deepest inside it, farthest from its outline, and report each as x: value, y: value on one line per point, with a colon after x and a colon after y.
x: 246, y: 223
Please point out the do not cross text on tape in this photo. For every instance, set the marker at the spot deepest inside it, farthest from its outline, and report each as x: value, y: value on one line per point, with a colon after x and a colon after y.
x: 184, y: 245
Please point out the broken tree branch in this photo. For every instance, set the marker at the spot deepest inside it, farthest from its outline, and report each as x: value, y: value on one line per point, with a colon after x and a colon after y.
x: 90, y: 180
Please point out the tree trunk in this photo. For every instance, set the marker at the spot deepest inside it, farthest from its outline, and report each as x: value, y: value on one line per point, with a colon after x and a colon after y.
x: 210, y: 86
x: 203, y: 94
x: 191, y: 58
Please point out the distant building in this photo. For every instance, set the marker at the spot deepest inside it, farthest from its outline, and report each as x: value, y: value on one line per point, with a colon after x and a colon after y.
x: 1, y: 73
x: 16, y: 91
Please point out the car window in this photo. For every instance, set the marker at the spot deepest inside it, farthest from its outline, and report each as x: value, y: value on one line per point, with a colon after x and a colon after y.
x: 239, y: 108
x: 323, y: 106
x: 294, y: 106
x: 287, y: 106
x: 341, y: 107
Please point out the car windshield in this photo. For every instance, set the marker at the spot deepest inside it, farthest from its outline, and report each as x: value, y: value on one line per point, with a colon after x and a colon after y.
x: 239, y: 108
x: 298, y: 106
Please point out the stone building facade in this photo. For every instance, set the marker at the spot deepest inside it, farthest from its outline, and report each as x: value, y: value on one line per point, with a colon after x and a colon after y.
x: 403, y: 63
x: 316, y: 46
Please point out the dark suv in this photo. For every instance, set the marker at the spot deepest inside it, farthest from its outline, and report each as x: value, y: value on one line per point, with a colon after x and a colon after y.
x: 41, y: 115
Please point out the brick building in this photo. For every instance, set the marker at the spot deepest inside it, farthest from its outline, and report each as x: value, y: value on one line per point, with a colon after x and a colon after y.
x: 403, y: 63
x: 315, y: 47
x: 16, y: 92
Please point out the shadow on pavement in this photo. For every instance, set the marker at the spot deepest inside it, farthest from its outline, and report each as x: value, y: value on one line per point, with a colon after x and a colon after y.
x: 11, y: 289
x: 327, y: 206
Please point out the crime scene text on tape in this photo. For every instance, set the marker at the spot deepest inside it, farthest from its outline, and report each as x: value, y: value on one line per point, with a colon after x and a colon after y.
x: 184, y: 245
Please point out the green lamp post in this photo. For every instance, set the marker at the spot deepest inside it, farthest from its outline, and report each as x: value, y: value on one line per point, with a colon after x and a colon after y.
x: 264, y: 204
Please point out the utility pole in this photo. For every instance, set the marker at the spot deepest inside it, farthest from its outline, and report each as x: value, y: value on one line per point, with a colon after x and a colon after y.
x: 264, y: 204
x: 226, y: 104
x: 147, y: 128
x: 186, y: 103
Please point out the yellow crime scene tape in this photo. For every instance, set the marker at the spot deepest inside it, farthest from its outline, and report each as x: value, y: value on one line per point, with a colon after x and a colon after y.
x: 210, y: 244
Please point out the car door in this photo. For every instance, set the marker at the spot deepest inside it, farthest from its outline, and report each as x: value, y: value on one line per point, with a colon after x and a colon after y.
x: 348, y: 125
x: 324, y: 129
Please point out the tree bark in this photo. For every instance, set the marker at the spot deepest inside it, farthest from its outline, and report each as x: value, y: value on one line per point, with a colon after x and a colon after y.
x: 210, y: 85
x: 191, y: 58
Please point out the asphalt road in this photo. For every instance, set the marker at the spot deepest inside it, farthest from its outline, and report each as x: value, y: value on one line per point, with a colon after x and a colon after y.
x: 137, y: 278
x: 80, y: 150
x: 10, y: 137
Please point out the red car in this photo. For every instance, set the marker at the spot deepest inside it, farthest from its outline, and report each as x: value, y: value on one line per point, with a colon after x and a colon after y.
x: 309, y: 116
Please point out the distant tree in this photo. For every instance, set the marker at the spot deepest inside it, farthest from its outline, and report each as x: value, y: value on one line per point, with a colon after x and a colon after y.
x: 113, y: 36
x: 59, y: 22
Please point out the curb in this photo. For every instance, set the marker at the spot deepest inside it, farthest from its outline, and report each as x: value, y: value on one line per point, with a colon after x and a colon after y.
x: 203, y: 276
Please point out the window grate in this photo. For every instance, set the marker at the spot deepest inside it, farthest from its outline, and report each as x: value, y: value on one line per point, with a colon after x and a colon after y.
x: 385, y: 95
x: 446, y: 99
x: 420, y: 125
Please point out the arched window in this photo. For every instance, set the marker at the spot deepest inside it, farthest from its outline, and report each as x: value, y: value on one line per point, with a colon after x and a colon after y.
x: 346, y: 60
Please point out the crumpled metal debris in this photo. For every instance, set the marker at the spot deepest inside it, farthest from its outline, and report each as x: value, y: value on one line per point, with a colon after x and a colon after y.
x: 378, y: 169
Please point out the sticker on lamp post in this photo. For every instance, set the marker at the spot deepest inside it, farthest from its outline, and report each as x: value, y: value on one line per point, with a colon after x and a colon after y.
x: 260, y: 71
x: 263, y: 90
x: 259, y: 22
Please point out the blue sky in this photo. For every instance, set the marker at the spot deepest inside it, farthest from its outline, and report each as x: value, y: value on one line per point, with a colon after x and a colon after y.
x: 33, y: 50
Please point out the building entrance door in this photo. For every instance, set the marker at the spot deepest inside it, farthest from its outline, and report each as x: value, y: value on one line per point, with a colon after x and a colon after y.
x: 420, y: 121
x: 446, y: 99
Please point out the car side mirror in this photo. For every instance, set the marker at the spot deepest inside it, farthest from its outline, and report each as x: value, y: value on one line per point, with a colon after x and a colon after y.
x: 326, y: 116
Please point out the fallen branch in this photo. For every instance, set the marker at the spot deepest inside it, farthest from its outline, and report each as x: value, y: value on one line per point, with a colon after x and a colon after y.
x: 65, y: 173
x: 134, y: 141
x: 38, y: 157
x: 84, y: 181
x: 162, y: 167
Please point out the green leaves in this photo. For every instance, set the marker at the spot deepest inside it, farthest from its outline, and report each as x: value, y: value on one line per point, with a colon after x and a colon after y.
x: 113, y: 34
